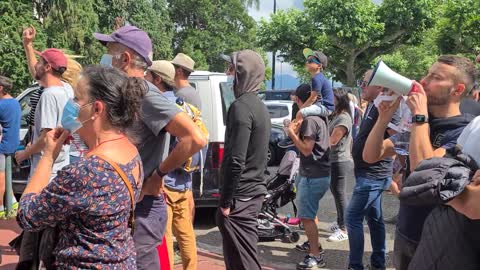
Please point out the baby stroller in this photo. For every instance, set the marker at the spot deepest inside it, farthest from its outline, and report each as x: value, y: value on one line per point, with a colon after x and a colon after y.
x: 281, y: 190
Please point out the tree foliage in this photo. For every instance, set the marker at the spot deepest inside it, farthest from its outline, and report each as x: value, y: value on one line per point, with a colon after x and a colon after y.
x: 459, y: 27
x: 15, y: 15
x: 207, y: 28
x: 352, y: 33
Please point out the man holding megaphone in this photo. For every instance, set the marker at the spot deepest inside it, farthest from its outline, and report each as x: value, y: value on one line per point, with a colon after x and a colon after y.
x: 436, y: 124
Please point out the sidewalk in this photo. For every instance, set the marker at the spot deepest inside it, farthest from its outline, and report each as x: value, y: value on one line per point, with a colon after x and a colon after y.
x: 9, y: 230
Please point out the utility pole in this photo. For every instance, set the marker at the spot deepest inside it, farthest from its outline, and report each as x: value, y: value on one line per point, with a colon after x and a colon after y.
x: 273, y: 53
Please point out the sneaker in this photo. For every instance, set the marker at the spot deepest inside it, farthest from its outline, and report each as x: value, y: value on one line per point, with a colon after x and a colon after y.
x: 338, y: 236
x: 286, y: 143
x: 311, y: 262
x: 334, y: 227
x: 305, y: 247
x: 3, y: 214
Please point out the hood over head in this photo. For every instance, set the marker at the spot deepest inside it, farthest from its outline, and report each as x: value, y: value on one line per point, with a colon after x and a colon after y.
x: 249, y: 72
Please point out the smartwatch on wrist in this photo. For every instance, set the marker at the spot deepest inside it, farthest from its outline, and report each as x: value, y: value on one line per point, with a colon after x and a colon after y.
x: 419, y: 118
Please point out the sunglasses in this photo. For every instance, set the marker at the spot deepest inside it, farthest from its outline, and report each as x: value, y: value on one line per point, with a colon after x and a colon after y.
x: 313, y: 60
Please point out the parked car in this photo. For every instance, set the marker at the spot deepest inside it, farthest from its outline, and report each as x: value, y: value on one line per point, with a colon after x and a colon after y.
x: 216, y: 95
x: 279, y: 110
x: 275, y: 94
x: 275, y: 153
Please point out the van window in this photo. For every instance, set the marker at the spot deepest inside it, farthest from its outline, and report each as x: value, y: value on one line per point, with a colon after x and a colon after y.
x: 228, y: 97
x: 277, y: 111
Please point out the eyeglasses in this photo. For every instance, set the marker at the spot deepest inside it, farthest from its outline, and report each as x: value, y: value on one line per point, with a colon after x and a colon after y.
x: 362, y: 83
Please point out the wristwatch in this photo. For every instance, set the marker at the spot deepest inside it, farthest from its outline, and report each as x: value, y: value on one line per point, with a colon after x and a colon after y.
x: 419, y: 118
x: 159, y: 173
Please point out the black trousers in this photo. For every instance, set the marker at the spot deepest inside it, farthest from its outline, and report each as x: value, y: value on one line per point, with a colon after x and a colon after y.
x: 240, y: 235
x: 341, y: 173
x: 403, y: 252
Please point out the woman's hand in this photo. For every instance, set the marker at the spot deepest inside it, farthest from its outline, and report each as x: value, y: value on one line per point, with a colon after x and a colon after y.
x: 54, y: 141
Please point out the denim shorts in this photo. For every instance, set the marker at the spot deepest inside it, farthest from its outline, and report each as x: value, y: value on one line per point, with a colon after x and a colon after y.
x: 310, y: 192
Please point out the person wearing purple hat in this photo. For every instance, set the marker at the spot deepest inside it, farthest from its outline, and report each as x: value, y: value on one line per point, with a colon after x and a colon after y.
x: 130, y: 50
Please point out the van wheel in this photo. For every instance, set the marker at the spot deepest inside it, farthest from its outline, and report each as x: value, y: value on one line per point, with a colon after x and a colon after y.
x: 271, y: 159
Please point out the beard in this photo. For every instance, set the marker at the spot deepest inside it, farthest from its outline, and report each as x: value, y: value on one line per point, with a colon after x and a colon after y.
x: 39, y: 74
x: 440, y: 99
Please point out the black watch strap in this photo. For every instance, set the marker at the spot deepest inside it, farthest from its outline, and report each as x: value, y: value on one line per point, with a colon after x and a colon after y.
x: 419, y: 118
x: 160, y: 173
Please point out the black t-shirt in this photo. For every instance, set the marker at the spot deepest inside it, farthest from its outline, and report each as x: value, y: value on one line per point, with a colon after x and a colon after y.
x: 444, y: 133
x: 378, y: 170
x: 317, y: 164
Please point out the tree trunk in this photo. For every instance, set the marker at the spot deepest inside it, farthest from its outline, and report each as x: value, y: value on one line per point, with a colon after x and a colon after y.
x: 350, y: 70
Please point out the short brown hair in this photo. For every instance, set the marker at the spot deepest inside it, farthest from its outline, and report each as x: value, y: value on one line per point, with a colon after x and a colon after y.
x: 468, y: 72
x: 6, y: 83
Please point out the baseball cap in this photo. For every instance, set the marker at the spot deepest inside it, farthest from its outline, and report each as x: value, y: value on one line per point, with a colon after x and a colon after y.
x: 321, y: 57
x: 131, y: 37
x: 184, y: 61
x: 165, y: 70
x: 303, y: 92
x: 55, y: 57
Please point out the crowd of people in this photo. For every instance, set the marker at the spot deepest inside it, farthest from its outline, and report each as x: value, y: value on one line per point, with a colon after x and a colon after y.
x: 399, y: 138
x: 111, y: 148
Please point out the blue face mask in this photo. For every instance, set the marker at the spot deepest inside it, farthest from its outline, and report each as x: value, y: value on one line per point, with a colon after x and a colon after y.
x: 70, y: 120
x: 106, y: 60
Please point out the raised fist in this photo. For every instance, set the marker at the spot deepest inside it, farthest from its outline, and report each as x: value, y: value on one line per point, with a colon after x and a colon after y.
x: 29, y: 35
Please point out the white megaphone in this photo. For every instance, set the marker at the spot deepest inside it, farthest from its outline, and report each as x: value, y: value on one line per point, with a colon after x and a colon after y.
x: 383, y: 76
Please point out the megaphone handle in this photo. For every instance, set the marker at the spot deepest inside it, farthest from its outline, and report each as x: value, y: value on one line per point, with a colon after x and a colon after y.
x: 414, y: 88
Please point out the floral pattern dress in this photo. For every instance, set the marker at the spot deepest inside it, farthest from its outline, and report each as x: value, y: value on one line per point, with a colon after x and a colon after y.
x: 90, y: 204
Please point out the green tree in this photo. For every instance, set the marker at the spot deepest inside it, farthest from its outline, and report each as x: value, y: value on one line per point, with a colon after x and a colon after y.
x: 352, y: 33
x: 16, y: 15
x: 149, y: 15
x: 70, y: 25
x: 459, y: 27
x: 207, y: 28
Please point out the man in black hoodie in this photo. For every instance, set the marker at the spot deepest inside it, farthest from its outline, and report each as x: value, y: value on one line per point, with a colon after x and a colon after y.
x: 437, y: 123
x: 245, y: 159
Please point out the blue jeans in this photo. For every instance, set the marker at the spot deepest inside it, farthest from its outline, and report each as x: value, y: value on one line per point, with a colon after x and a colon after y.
x: 310, y: 192
x: 367, y: 202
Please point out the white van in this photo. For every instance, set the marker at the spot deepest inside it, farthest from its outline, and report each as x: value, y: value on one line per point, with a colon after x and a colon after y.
x: 216, y: 96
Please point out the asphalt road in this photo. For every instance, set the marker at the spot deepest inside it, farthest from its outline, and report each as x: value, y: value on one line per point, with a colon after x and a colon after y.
x: 283, y: 255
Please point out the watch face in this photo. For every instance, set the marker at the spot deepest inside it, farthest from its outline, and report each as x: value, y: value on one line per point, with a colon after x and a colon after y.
x: 419, y: 119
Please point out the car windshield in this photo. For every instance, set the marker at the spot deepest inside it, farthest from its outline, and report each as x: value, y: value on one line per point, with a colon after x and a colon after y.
x: 277, y: 111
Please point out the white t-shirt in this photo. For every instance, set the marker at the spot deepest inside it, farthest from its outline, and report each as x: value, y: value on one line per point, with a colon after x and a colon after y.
x: 48, y: 115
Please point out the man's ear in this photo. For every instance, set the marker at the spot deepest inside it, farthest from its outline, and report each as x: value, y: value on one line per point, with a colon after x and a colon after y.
x: 461, y: 88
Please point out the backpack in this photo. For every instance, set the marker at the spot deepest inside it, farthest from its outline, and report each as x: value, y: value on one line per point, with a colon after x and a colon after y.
x: 194, y: 163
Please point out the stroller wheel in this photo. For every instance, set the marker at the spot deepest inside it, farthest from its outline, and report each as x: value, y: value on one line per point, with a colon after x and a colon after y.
x: 292, y: 237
